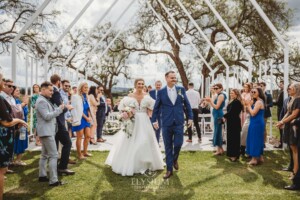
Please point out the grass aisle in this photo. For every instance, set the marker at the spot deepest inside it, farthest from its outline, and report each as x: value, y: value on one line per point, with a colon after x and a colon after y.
x: 201, y: 176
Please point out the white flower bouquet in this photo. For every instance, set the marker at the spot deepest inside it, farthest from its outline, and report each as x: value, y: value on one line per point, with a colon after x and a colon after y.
x: 127, y: 118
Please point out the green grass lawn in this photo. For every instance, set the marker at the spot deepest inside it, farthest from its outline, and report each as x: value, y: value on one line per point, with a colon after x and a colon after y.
x: 201, y: 176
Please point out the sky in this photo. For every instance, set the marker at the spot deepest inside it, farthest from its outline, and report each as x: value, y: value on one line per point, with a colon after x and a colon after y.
x: 147, y: 67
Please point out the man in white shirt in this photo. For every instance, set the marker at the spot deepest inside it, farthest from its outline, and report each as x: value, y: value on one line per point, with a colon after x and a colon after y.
x: 194, y: 99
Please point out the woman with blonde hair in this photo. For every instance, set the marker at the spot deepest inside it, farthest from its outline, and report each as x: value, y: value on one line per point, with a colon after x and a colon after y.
x: 233, y: 119
x: 245, y: 116
x: 293, y: 112
x: 81, y: 119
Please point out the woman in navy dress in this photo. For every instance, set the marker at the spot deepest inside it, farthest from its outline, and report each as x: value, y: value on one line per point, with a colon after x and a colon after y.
x: 20, y: 145
x: 218, y: 105
x: 85, y: 124
x: 255, y: 138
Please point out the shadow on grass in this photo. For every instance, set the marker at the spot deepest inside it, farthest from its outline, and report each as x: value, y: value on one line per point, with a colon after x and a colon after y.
x: 269, y: 170
x: 28, y: 187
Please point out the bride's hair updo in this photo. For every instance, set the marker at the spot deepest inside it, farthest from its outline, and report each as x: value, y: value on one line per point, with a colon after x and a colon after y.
x: 137, y: 80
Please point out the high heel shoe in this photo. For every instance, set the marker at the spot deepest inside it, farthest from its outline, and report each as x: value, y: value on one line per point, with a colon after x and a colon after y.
x: 252, y: 163
x: 218, y: 154
x: 93, y: 143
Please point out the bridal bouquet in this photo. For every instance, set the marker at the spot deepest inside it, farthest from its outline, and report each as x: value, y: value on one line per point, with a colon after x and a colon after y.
x: 127, y: 118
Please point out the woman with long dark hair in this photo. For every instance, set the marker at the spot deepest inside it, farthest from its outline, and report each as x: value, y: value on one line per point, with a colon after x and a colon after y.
x: 233, y: 119
x: 218, y: 105
x: 20, y: 142
x: 255, y: 138
x: 94, y: 101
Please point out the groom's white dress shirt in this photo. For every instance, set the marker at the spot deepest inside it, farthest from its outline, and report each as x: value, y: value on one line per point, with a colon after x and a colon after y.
x: 172, y: 94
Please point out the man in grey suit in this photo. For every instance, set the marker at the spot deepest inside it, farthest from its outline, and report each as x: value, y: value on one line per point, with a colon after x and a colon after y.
x: 46, y: 115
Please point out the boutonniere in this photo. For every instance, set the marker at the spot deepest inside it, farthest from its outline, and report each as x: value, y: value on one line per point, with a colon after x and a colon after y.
x: 180, y: 94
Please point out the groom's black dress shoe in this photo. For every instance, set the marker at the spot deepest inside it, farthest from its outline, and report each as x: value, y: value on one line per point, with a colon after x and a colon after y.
x: 43, y: 179
x: 58, y: 183
x: 168, y: 174
x: 292, y: 187
x: 175, y: 165
x: 65, y: 171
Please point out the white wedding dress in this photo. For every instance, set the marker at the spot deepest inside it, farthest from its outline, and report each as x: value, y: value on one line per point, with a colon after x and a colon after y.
x: 140, y: 151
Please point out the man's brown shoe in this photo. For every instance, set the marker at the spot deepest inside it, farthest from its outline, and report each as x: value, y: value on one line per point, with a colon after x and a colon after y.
x: 175, y: 165
x: 168, y: 174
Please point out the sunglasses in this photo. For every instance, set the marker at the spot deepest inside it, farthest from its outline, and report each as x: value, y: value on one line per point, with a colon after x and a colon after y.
x: 10, y: 86
x: 216, y: 88
x: 67, y: 86
x: 253, y: 92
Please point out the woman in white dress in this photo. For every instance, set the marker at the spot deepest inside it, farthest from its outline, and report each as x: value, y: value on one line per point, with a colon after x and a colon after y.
x: 138, y: 151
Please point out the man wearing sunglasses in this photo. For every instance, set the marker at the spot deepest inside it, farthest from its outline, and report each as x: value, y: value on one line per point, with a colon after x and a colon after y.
x: 7, y: 91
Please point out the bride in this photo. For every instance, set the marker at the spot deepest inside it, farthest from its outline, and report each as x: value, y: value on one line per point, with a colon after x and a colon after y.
x: 136, y: 150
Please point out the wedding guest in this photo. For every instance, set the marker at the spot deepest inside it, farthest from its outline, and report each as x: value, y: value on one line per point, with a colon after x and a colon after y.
x: 109, y: 108
x: 293, y: 111
x: 74, y: 90
x: 82, y: 119
x: 279, y: 103
x: 6, y: 93
x: 94, y: 101
x: 218, y: 105
x: 149, y: 88
x: 46, y: 115
x: 285, y: 138
x: 194, y: 99
x: 145, y: 89
x: 153, y: 95
x: 269, y: 104
x: 100, y: 115
x: 245, y: 116
x: 34, y: 97
x: 255, y: 137
x: 62, y: 135
x: 116, y: 109
x: 6, y: 135
x: 20, y: 143
x: 233, y: 119
x: 296, y: 179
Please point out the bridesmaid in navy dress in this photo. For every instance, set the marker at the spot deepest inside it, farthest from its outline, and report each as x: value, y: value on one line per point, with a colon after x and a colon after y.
x: 255, y: 138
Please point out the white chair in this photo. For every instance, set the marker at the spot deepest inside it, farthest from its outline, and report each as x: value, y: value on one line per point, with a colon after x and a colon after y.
x: 205, y: 124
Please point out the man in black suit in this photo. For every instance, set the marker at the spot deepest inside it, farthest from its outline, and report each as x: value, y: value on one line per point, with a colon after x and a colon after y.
x: 62, y: 135
x: 279, y: 108
x: 268, y: 105
x: 100, y: 115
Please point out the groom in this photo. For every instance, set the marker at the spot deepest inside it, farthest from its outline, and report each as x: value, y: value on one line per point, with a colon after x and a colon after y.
x: 171, y: 101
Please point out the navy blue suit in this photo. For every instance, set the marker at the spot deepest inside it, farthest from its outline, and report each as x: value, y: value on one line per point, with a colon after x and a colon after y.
x: 152, y: 94
x: 172, y: 117
x: 62, y: 134
x: 100, y: 117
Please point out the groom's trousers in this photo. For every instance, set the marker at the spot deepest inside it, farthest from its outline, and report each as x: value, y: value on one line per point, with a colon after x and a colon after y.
x: 173, y: 140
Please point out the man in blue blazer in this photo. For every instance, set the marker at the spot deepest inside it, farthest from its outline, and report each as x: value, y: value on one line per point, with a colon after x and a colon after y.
x: 153, y: 94
x: 170, y: 103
